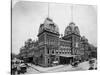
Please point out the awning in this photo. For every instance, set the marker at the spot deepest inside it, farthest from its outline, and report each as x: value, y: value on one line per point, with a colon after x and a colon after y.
x: 63, y: 55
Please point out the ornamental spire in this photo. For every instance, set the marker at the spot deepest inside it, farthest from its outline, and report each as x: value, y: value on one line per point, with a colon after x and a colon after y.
x: 48, y: 10
x: 72, y: 23
x: 72, y: 13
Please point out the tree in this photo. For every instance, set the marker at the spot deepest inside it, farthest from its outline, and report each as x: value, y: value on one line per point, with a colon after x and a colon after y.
x: 24, y: 50
x: 28, y: 43
x: 13, y: 55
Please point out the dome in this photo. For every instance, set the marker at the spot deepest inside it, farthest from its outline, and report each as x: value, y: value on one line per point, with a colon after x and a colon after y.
x: 72, y: 29
x: 49, y: 25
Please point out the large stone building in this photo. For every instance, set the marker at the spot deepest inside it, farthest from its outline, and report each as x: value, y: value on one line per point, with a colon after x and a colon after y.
x: 55, y: 49
x: 51, y: 48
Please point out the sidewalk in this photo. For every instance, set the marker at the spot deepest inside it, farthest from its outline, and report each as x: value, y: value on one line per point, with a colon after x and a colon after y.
x: 44, y: 69
x: 84, y: 65
x: 59, y: 68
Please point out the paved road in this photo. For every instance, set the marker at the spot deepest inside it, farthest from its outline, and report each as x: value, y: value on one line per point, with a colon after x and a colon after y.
x: 62, y: 68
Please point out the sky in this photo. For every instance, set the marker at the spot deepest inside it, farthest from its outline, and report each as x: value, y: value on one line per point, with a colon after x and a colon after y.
x: 28, y: 15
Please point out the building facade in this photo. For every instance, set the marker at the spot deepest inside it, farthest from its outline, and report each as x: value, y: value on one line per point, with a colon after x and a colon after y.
x: 52, y: 49
x: 56, y: 49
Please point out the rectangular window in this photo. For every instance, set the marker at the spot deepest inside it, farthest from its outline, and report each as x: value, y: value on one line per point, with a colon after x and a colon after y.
x: 48, y: 60
x: 48, y: 51
x: 52, y: 51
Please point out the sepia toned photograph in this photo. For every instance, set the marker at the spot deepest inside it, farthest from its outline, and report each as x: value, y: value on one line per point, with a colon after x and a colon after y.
x: 52, y: 37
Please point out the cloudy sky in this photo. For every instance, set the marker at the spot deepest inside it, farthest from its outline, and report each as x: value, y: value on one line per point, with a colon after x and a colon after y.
x: 28, y: 15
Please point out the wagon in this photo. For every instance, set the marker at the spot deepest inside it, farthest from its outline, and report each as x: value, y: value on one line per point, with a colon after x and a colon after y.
x: 22, y: 68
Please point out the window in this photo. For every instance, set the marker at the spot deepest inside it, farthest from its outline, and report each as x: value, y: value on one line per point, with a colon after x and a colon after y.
x: 57, y: 59
x: 63, y: 52
x: 56, y: 52
x: 48, y: 60
x: 76, y: 44
x: 48, y: 51
x: 52, y: 51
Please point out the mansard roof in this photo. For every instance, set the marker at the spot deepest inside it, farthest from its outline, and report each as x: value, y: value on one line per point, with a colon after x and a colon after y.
x: 49, y: 25
x: 71, y: 28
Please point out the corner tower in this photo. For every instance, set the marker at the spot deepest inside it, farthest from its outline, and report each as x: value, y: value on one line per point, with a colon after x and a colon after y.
x: 48, y: 37
x: 72, y: 34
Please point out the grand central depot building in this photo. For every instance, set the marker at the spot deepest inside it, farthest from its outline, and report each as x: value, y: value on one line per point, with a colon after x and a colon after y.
x: 53, y: 48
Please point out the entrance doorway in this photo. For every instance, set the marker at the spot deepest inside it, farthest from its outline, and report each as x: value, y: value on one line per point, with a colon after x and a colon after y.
x: 65, y: 60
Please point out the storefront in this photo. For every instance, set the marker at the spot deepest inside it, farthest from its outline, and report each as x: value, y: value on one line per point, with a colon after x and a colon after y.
x: 65, y: 59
